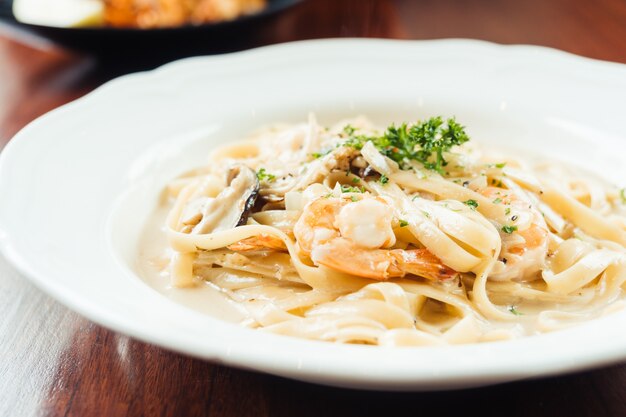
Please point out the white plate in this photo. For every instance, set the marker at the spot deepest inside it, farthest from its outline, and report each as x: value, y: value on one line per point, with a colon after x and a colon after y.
x: 77, y: 184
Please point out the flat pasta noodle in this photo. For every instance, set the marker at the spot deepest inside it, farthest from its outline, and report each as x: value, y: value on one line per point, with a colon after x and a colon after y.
x: 353, y: 234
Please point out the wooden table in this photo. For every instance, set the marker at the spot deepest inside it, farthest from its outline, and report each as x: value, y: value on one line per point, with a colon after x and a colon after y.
x: 55, y: 363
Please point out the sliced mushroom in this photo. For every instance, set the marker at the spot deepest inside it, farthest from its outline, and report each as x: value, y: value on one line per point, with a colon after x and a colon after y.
x: 368, y: 172
x: 233, y: 204
x: 192, y: 213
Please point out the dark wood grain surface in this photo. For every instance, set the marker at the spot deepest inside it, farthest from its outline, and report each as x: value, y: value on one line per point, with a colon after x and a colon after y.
x: 55, y: 363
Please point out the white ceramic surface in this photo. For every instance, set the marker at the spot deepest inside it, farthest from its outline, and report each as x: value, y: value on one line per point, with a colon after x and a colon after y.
x: 77, y: 184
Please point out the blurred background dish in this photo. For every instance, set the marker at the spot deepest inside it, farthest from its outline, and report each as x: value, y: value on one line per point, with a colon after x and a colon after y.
x: 109, y: 26
x: 139, y: 14
x: 173, y: 13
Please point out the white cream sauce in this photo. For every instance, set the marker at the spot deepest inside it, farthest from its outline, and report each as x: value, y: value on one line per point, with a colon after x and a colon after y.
x: 153, y: 267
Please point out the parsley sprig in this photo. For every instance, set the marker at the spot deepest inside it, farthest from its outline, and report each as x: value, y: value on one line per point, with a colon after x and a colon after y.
x: 425, y: 142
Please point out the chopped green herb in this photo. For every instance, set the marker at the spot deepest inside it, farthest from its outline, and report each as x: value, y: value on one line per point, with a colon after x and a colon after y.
x: 425, y: 213
x: 317, y: 155
x: 384, y: 179
x: 497, y: 201
x: 354, y: 198
x: 404, y: 223
x: 425, y: 142
x: 501, y: 165
x: 507, y: 211
x: 262, y: 175
x: 514, y: 311
x: 356, y: 180
x: 622, y: 194
x: 348, y: 130
x: 349, y: 189
x: 355, y: 142
x: 472, y: 203
x: 509, y: 229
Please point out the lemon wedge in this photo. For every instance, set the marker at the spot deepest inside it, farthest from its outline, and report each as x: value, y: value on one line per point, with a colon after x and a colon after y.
x: 59, y: 13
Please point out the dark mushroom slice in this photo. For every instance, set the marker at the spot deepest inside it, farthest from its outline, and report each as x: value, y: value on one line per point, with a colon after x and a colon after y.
x: 232, y: 206
x: 369, y: 172
x: 250, y: 186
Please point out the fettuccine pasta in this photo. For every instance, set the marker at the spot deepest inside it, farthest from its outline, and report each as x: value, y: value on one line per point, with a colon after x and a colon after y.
x: 412, y: 235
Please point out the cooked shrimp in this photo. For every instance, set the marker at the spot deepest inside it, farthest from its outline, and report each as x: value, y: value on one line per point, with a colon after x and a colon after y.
x: 524, y: 237
x: 356, y: 237
x: 260, y: 242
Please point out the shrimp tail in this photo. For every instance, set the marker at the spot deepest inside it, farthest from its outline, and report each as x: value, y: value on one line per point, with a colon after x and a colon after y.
x: 260, y: 242
x: 423, y: 263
